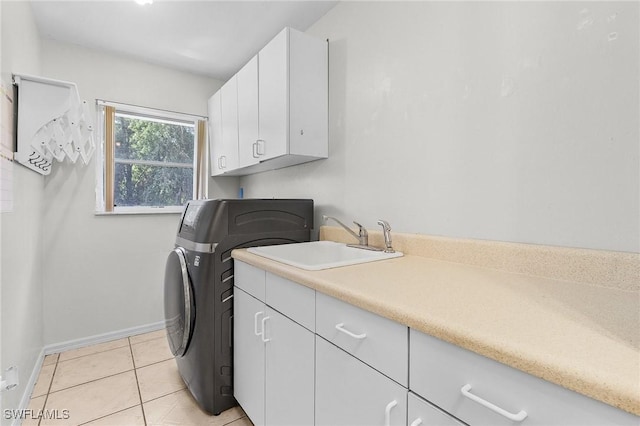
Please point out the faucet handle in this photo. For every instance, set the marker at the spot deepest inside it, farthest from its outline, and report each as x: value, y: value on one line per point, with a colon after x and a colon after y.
x: 362, y: 234
x: 362, y: 230
x: 386, y: 230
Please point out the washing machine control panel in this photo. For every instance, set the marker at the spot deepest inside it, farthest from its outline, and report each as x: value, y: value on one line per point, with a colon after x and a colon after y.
x: 190, y: 218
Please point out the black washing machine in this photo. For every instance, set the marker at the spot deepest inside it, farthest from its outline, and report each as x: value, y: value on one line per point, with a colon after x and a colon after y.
x: 198, y: 284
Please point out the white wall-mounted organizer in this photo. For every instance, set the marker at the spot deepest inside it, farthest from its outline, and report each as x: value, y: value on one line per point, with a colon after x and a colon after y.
x: 53, y: 123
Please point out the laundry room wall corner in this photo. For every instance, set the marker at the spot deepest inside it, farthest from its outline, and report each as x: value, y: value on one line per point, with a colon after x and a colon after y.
x: 105, y: 272
x: 21, y: 281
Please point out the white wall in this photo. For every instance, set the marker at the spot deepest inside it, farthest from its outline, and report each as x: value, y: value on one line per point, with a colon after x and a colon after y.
x: 21, y: 229
x: 105, y: 273
x: 506, y: 121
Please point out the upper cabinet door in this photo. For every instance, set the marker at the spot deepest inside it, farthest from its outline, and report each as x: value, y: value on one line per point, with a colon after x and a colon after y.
x: 248, y: 113
x: 273, y: 96
x: 229, y: 102
x: 215, y: 133
x: 308, y: 95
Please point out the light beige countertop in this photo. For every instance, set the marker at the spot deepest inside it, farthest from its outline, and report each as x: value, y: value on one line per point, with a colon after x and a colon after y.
x: 581, y: 336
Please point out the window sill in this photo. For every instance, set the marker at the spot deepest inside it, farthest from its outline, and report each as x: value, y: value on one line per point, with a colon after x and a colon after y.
x: 141, y: 210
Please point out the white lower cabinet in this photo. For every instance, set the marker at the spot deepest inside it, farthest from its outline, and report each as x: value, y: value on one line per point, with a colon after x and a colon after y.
x: 422, y: 413
x: 353, y: 371
x: 274, y: 356
x: 481, y: 391
x: 290, y: 355
x: 350, y: 393
x: 248, y: 355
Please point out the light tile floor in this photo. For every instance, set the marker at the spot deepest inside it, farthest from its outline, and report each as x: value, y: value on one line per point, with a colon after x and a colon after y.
x: 131, y: 381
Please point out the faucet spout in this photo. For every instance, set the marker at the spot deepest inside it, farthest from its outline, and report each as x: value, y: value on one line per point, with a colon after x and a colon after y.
x: 362, y: 236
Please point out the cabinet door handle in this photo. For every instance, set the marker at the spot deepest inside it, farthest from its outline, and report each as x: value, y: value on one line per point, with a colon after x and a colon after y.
x: 254, y: 146
x: 264, y: 320
x: 417, y: 422
x: 223, y: 161
x: 518, y: 417
x: 260, y: 147
x: 387, y: 412
x: 255, y: 323
x: 340, y: 327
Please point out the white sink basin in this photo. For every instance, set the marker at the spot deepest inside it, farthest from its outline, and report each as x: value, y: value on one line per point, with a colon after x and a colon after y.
x: 317, y: 255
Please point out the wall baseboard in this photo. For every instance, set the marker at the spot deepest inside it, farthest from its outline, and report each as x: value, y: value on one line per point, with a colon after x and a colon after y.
x: 101, y: 338
x: 28, y: 389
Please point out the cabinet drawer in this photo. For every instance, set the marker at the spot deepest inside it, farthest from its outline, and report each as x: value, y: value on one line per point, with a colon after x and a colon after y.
x: 379, y: 342
x: 421, y: 413
x: 350, y: 393
x: 250, y: 279
x: 440, y: 371
x: 293, y: 300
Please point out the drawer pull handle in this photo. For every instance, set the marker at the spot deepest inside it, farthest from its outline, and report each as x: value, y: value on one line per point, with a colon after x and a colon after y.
x: 264, y: 320
x: 255, y: 323
x: 417, y: 422
x: 518, y: 417
x: 340, y: 327
x: 387, y: 412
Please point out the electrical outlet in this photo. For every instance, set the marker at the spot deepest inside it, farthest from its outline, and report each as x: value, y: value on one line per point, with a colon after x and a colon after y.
x: 10, y: 379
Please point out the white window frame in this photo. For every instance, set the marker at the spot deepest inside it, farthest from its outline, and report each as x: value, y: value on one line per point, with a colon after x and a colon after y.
x: 200, y: 155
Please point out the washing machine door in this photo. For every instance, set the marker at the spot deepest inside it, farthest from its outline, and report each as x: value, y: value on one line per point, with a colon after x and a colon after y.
x: 179, y: 306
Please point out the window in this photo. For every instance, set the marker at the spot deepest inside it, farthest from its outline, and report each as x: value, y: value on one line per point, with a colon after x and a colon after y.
x: 154, y: 161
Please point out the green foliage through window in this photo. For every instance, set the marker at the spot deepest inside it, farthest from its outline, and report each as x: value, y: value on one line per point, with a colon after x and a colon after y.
x: 153, y: 161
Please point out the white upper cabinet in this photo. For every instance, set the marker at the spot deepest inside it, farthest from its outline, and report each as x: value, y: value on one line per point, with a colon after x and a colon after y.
x: 308, y: 123
x: 273, y: 97
x: 282, y: 106
x: 215, y: 133
x: 224, y: 128
x: 248, y: 113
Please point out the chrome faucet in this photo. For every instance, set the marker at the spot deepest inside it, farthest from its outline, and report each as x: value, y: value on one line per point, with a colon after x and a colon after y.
x: 386, y: 230
x: 362, y: 236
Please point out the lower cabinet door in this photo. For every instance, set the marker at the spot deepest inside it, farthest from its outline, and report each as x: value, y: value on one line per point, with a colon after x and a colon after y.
x: 421, y: 413
x: 290, y: 355
x: 350, y: 393
x: 248, y: 355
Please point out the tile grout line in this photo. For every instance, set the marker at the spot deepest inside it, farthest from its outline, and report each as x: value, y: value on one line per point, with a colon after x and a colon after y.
x: 93, y: 353
x: 166, y: 394
x: 107, y: 415
x: 135, y: 372
x: 105, y: 377
x: 241, y: 417
x: 153, y: 363
x: 148, y: 340
x: 46, y: 395
x: 90, y: 381
x: 183, y: 389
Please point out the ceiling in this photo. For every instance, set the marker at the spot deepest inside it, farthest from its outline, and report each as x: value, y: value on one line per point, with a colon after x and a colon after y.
x: 213, y: 38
